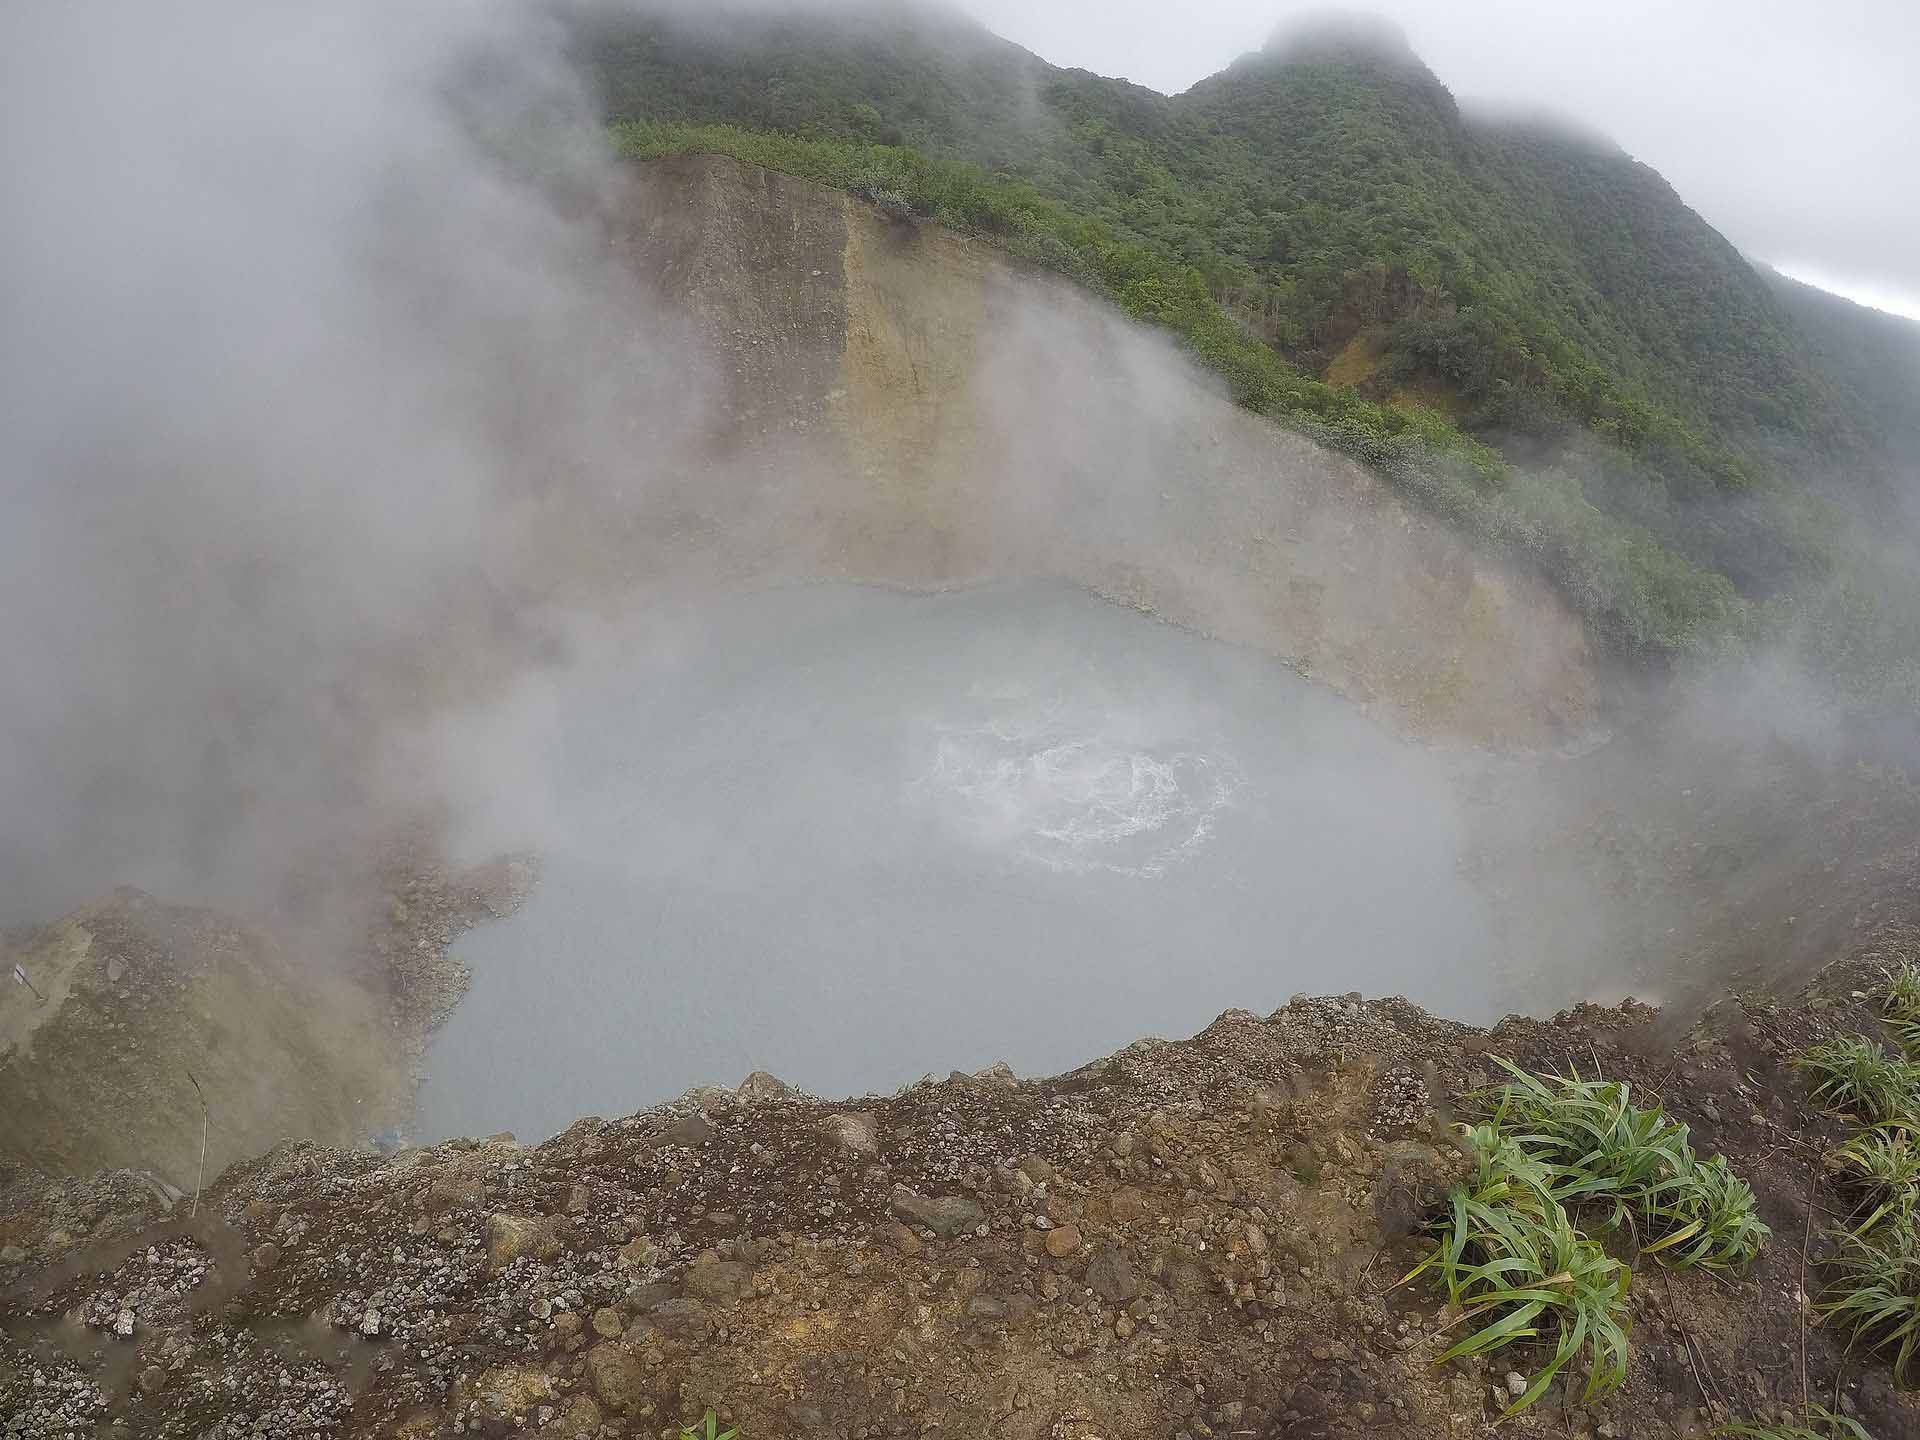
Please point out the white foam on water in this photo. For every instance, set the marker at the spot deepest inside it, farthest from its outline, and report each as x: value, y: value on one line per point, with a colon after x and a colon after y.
x: 1077, y: 797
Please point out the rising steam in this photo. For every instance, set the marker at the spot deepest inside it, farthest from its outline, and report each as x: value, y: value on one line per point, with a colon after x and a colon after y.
x: 298, y: 316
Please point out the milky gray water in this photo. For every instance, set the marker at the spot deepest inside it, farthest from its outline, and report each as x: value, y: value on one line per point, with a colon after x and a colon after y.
x: 852, y: 836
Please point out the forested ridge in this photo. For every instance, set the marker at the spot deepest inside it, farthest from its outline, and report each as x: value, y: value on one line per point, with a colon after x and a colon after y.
x: 1514, y: 319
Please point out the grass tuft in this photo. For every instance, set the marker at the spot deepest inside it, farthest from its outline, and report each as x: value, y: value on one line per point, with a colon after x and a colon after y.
x: 1876, y: 1300
x: 1902, y: 1007
x: 1903, y: 992
x: 1873, y: 1294
x: 1856, y: 1077
x: 1600, y: 1148
x: 1511, y: 1259
x: 1882, y: 1166
x: 1821, y: 1424
x: 1508, y: 1251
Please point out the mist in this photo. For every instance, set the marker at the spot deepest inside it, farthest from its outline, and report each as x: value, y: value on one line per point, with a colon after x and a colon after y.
x: 299, y: 312
x: 849, y: 835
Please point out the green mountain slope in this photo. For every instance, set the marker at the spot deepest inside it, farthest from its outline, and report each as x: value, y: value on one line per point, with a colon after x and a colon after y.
x: 905, y: 74
x: 1872, y: 361
x: 1322, y: 223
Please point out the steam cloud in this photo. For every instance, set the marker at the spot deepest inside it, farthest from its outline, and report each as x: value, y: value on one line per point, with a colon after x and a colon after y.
x: 297, y: 321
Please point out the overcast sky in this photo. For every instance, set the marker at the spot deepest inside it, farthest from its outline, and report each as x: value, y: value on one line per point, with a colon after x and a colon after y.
x: 1792, y: 125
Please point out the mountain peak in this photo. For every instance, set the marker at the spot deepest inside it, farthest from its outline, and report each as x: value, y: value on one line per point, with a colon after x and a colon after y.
x: 1341, y: 35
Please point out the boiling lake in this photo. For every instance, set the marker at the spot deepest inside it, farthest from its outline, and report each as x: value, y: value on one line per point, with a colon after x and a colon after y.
x: 851, y: 836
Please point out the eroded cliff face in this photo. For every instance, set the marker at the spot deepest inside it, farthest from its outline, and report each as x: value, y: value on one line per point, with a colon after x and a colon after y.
x: 893, y: 402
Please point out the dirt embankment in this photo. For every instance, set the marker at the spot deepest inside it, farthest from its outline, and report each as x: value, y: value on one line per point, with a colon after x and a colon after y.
x: 1186, y: 1239
x: 152, y: 998
x: 152, y: 1007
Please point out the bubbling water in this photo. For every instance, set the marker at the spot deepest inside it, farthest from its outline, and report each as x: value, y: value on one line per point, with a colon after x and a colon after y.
x: 1037, y: 786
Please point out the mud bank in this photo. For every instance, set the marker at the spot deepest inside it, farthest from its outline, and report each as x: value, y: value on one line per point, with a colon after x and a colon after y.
x: 1196, y: 1238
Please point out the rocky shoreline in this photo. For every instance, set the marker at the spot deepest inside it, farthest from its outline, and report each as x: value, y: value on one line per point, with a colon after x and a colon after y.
x: 406, y: 954
x: 1190, y: 1239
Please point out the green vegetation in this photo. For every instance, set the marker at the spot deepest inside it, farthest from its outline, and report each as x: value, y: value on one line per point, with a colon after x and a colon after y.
x: 709, y: 1429
x: 1325, y: 188
x: 1902, y: 1007
x: 1854, y: 1076
x: 1877, y: 1297
x: 1883, y: 1166
x: 1552, y: 279
x: 1601, y: 1149
x: 1875, y: 1293
x: 1903, y: 993
x: 1508, y: 1255
x: 1822, y: 1424
x: 1871, y: 363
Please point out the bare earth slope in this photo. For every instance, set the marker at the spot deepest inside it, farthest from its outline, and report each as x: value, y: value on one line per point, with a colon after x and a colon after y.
x: 1192, y: 1239
x: 144, y: 999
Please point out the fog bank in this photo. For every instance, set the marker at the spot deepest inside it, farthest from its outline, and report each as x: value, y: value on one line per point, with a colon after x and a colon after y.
x: 296, y: 306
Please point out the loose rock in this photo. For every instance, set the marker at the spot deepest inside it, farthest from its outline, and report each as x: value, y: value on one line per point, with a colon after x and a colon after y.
x: 945, y: 1215
x: 1110, y: 1274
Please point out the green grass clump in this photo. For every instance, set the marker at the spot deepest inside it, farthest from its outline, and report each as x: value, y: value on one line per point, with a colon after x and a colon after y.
x: 1902, y: 1006
x: 1724, y: 1228
x: 1876, y: 1298
x: 1601, y: 1148
x: 709, y: 1429
x: 1511, y: 1259
x: 1822, y: 1424
x: 1856, y: 1077
x: 1907, y: 1033
x: 1883, y: 1165
x: 1903, y: 992
x: 1874, y: 1293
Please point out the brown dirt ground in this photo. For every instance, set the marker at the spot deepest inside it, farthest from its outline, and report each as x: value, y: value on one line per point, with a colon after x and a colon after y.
x: 1191, y: 1239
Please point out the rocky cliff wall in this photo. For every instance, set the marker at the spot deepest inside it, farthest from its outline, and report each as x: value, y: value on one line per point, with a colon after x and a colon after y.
x: 889, y: 401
